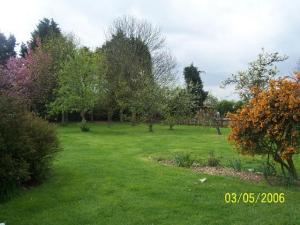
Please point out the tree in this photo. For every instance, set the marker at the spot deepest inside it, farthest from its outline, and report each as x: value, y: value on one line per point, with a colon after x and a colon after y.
x: 178, y: 106
x: 142, y: 60
x: 44, y: 30
x: 226, y: 106
x: 150, y: 102
x: 127, y: 58
x: 23, y: 50
x: 80, y: 83
x: 269, y: 123
x: 7, y: 48
x: 258, y: 74
x: 31, y: 78
x: 195, y: 86
x: 211, y: 101
x: 60, y: 48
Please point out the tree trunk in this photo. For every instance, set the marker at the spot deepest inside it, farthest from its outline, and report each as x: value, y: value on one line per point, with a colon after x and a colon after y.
x: 82, y: 115
x: 92, y: 115
x: 217, y: 126
x: 121, y: 115
x: 66, y: 117
x: 218, y: 130
x: 289, y: 167
x: 109, y: 117
x: 133, y: 118
x: 293, y: 171
x: 62, y: 117
x: 171, y: 126
x: 150, y: 127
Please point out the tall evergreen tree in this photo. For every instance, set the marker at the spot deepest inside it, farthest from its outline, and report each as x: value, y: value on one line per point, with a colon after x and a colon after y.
x: 7, y: 47
x: 195, y: 86
x: 23, y: 50
x: 45, y: 29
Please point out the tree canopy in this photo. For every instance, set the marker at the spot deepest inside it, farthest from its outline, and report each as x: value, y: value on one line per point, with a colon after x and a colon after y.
x: 269, y: 123
x: 258, y: 74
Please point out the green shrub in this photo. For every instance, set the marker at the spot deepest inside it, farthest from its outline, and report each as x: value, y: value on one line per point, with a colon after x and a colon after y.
x: 183, y: 160
x: 27, y: 146
x: 236, y: 164
x: 212, y: 160
x: 84, y: 127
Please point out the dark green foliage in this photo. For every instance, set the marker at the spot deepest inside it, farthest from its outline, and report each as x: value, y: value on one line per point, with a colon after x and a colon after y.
x: 83, y: 126
x: 27, y: 146
x: 128, y: 64
x: 226, y: 106
x: 23, y: 50
x: 7, y: 47
x: 183, y: 160
x: 195, y: 85
x: 212, y: 160
x: 178, y: 105
x: 44, y: 30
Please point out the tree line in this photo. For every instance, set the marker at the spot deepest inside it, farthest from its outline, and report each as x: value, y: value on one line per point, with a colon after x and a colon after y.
x: 132, y: 73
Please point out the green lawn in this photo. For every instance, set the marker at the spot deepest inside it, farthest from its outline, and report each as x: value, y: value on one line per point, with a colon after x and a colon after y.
x: 106, y: 177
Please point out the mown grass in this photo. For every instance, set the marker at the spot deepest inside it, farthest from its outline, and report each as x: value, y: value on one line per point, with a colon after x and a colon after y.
x: 106, y: 177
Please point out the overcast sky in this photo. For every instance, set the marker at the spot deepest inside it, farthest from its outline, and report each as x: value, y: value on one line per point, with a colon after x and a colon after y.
x: 219, y: 37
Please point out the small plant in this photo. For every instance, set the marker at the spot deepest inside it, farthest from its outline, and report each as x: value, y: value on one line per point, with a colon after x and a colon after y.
x: 212, y: 160
x: 84, y: 127
x: 183, y: 160
x: 236, y: 164
x: 268, y: 169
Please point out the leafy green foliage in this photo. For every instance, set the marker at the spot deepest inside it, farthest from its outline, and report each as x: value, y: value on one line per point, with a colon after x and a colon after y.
x: 228, y: 106
x: 128, y: 64
x: 183, y: 159
x: 213, y: 160
x: 236, y: 164
x: 83, y: 126
x: 178, y: 105
x: 27, y: 146
x: 80, y: 83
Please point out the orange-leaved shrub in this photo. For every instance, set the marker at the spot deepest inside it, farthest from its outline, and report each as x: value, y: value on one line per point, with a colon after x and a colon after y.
x: 269, y: 124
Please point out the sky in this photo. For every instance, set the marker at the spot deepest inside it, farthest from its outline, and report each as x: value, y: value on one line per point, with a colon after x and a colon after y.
x: 219, y: 37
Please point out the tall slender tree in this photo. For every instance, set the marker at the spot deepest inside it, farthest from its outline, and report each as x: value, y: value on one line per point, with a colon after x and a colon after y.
x: 194, y: 85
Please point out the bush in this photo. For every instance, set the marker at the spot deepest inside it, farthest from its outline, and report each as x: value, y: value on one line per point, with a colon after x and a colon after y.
x: 84, y: 127
x: 27, y: 146
x: 212, y: 160
x: 236, y: 164
x: 183, y: 160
